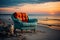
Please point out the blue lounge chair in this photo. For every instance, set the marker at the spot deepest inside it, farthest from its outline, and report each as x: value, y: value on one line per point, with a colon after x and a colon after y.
x: 31, y: 24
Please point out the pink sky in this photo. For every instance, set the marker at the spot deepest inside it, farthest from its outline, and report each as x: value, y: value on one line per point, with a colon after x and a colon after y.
x: 50, y: 7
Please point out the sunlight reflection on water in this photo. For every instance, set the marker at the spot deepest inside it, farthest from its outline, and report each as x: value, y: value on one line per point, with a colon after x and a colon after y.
x: 53, y: 24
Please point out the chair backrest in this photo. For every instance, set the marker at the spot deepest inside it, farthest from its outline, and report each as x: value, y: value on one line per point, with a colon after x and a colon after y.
x: 21, y: 16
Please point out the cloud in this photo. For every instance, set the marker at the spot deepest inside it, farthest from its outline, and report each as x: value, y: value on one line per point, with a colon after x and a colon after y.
x: 50, y: 7
x: 7, y: 3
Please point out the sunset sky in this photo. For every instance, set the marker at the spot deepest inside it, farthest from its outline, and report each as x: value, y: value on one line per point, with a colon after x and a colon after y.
x: 30, y: 6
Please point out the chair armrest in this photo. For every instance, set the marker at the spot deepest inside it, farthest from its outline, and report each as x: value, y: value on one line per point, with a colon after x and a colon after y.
x: 32, y: 20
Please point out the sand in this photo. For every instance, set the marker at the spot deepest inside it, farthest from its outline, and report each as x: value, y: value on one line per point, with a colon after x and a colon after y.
x: 42, y: 33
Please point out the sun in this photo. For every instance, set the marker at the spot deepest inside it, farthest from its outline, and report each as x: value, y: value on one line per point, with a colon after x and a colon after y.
x: 52, y: 13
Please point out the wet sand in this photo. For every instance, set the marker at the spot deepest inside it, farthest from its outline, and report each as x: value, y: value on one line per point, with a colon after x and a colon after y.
x: 51, y: 23
x: 43, y: 33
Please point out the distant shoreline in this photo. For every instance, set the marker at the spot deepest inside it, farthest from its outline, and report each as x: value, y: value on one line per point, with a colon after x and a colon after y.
x: 33, y: 14
x: 5, y: 14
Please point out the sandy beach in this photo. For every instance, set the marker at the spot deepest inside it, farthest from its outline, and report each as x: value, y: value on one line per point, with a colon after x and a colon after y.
x: 42, y: 33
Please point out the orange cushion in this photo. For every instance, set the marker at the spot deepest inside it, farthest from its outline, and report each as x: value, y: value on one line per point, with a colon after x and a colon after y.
x: 25, y: 17
x: 21, y: 16
x: 18, y: 15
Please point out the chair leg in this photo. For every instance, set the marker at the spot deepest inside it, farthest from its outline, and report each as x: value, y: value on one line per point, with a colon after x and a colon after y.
x: 14, y: 31
x: 34, y: 30
x: 21, y: 31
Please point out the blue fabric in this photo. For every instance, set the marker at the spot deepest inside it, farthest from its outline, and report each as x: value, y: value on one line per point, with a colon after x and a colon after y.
x: 32, y: 20
x: 18, y: 24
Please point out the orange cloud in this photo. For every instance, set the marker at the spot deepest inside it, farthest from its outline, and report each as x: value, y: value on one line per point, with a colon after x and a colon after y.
x: 50, y: 7
x: 7, y: 9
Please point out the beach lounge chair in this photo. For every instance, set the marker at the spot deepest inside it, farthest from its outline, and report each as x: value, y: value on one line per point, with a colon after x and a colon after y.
x: 23, y: 22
